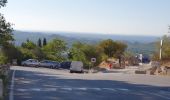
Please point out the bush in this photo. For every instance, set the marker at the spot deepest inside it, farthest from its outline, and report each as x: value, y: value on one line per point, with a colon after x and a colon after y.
x: 3, y: 59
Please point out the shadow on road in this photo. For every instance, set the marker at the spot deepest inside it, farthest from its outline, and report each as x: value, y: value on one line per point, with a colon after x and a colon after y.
x: 40, y: 86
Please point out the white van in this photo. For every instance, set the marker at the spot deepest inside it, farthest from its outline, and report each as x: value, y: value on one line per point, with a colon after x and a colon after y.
x: 76, y: 66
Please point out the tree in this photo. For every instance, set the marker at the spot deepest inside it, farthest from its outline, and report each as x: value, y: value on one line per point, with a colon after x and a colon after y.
x: 108, y: 47
x: 165, y: 48
x: 3, y: 3
x: 112, y: 48
x: 39, y: 43
x: 84, y: 52
x: 5, y: 31
x: 38, y: 53
x: 11, y: 52
x: 54, y: 49
x: 44, y: 42
x: 29, y: 45
x: 28, y: 40
x: 5, y: 27
x: 76, y: 52
x: 3, y: 58
x: 5, y: 35
x: 120, y: 48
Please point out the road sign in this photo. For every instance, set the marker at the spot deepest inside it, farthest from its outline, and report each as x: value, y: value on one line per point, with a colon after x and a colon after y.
x: 93, y: 60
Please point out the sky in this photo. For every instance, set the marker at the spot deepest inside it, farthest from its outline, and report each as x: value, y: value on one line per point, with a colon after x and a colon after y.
x: 124, y: 17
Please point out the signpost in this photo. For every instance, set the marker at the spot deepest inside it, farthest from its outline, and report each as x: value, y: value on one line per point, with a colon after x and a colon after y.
x: 93, y: 60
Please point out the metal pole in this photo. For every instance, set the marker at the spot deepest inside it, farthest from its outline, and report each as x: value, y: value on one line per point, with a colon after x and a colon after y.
x: 89, y: 67
x: 160, y: 55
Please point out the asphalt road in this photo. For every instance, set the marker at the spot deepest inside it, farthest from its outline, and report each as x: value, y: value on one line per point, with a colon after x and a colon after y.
x: 48, y: 84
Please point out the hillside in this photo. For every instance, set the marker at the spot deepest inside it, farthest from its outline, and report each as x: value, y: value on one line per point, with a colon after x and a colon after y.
x: 136, y: 44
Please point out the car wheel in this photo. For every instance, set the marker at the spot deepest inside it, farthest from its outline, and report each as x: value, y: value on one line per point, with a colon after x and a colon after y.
x: 51, y: 67
x: 81, y: 72
x: 36, y: 66
x: 71, y: 71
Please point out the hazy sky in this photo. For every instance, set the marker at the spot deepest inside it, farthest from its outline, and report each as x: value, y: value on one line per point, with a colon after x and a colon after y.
x: 139, y: 17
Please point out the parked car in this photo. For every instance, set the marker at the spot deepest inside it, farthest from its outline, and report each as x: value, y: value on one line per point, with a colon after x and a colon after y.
x: 65, y: 65
x: 56, y: 64
x: 49, y: 64
x: 76, y: 66
x: 30, y: 62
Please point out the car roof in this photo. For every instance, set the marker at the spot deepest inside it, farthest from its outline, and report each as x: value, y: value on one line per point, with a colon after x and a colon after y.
x: 31, y: 59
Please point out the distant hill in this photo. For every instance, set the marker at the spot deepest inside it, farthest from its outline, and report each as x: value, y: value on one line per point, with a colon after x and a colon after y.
x: 137, y: 44
x: 21, y: 36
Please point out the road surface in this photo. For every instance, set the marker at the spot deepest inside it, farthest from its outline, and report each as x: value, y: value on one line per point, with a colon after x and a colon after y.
x: 48, y: 84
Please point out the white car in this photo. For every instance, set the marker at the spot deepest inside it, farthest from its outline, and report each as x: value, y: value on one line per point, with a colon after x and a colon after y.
x: 76, y: 66
x: 30, y: 62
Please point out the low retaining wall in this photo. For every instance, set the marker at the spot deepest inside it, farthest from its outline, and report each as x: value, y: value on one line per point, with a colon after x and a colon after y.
x: 4, y: 73
x: 140, y: 72
x: 1, y: 89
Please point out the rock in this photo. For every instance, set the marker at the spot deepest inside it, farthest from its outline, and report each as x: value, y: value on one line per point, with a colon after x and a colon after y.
x: 140, y: 72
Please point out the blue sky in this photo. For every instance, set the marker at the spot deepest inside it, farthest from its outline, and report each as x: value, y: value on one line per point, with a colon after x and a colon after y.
x: 125, y: 17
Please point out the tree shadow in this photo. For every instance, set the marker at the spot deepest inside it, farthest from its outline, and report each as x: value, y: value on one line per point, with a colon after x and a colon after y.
x: 40, y: 86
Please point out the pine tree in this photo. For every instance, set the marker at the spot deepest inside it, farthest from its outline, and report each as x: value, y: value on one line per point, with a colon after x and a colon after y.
x: 28, y: 40
x: 39, y: 43
x: 44, y: 42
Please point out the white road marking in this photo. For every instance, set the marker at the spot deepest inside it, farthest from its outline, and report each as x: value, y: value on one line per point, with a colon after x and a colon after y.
x: 11, y: 95
x: 83, y: 89
x: 111, y: 89
x: 156, y: 94
x: 65, y: 88
x: 122, y: 89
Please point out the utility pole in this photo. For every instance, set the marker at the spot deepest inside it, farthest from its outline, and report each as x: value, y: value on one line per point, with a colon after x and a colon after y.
x: 160, y: 55
x: 169, y: 30
x: 161, y: 44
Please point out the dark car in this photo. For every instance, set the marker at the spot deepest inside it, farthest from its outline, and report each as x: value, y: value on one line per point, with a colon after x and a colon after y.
x: 65, y: 65
x: 57, y: 64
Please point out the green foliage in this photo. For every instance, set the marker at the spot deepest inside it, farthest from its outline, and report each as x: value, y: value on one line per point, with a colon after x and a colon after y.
x: 3, y: 59
x: 11, y: 52
x: 102, y: 51
x: 120, y: 49
x: 54, y: 49
x: 108, y: 47
x: 5, y: 28
x: 128, y: 54
x: 5, y: 37
x: 76, y: 52
x: 165, y: 48
x: 5, y: 31
x: 27, y: 54
x: 28, y: 45
x: 112, y: 48
x: 38, y: 53
x: 84, y: 52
